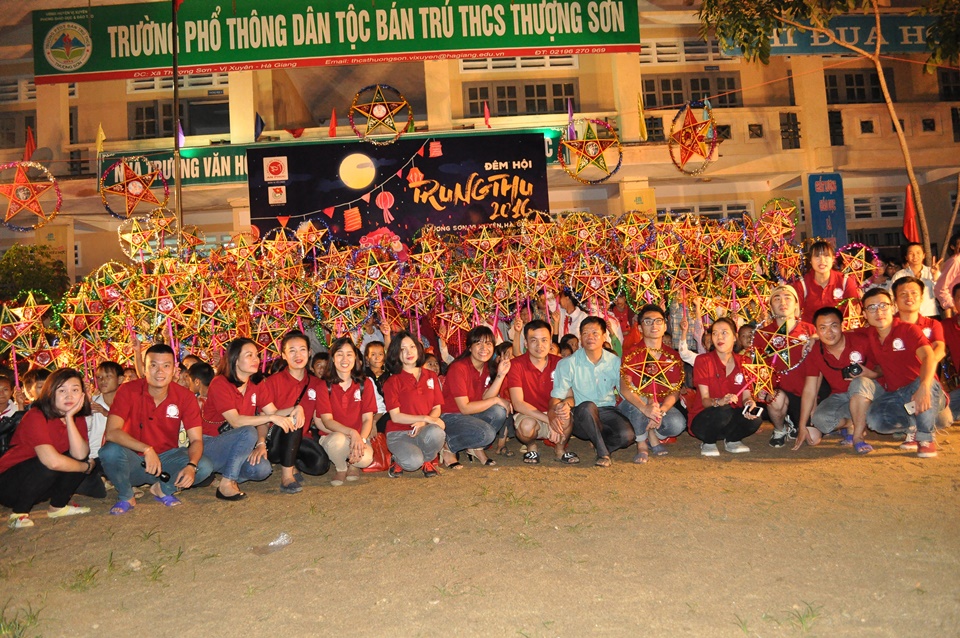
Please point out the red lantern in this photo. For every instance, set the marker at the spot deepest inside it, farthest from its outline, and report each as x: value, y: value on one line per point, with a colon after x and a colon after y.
x: 384, y: 201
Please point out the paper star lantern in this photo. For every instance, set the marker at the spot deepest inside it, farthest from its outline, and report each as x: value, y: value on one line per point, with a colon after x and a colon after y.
x: 635, y: 232
x: 693, y: 138
x: 593, y: 279
x: 133, y: 188
x: 654, y: 374
x: 591, y: 158
x: 380, y: 105
x: 858, y: 261
x: 24, y: 195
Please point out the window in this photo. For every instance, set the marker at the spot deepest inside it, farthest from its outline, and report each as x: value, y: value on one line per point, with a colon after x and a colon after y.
x: 13, y: 128
x: 928, y: 125
x: 520, y: 63
x: 676, y: 90
x: 14, y: 90
x: 835, y: 122
x: 789, y: 131
x: 680, y: 51
x: 201, y: 81
x: 520, y: 97
x: 949, y: 82
x: 154, y: 119
x: 955, y: 120
x: 857, y: 87
x: 655, y: 129
x: 877, y: 207
x: 724, y: 132
x: 866, y: 127
x: 755, y: 131
x: 728, y: 210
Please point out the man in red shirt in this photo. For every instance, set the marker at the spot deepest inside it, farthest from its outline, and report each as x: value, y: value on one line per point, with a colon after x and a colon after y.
x: 907, y: 396
x: 529, y: 382
x: 837, y: 359
x: 143, y: 433
x: 783, y: 343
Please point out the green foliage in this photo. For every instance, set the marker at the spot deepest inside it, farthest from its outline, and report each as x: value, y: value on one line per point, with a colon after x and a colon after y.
x: 943, y: 36
x: 32, y: 267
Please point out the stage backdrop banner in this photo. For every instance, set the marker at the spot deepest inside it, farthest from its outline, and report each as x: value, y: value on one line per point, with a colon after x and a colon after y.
x: 356, y: 187
x: 827, y: 212
x: 136, y: 40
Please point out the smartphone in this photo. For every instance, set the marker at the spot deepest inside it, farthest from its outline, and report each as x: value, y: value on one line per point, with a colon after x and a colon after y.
x: 757, y: 411
x: 911, y: 407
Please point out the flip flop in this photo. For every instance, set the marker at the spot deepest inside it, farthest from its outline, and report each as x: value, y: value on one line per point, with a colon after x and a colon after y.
x: 168, y: 500
x: 641, y: 457
x: 122, y: 507
x: 568, y: 458
x: 847, y: 439
x: 659, y: 450
x: 532, y: 457
x: 862, y: 447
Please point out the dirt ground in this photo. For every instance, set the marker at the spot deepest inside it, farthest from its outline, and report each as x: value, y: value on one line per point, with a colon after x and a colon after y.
x: 772, y: 543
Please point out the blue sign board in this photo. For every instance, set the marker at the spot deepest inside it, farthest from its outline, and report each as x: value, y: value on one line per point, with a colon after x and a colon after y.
x: 827, y: 214
x: 898, y: 33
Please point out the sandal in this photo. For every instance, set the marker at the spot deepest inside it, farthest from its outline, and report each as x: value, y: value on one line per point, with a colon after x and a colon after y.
x: 532, y: 457
x: 168, y: 500
x: 603, y: 461
x: 503, y: 450
x: 122, y: 507
x: 847, y: 439
x: 862, y: 447
x: 659, y: 449
x: 68, y: 510
x: 640, y: 458
x: 19, y: 521
x: 568, y: 458
x: 456, y: 465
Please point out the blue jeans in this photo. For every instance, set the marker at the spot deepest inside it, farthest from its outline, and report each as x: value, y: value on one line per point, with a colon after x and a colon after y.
x: 122, y: 467
x: 827, y: 415
x: 887, y: 414
x: 228, y: 453
x: 471, y: 431
x: 410, y: 452
x: 671, y: 424
x: 955, y: 404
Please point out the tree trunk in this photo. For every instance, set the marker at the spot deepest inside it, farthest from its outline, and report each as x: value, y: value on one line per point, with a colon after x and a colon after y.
x: 953, y: 219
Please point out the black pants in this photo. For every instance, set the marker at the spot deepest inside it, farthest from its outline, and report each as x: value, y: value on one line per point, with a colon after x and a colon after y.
x: 606, y: 428
x: 31, y: 482
x: 724, y: 422
x: 92, y: 483
x: 292, y: 449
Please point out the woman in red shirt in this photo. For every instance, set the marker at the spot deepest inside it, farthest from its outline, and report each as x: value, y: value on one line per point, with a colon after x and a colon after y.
x: 715, y: 412
x: 48, y: 456
x: 346, y: 410
x: 292, y: 392
x: 234, y: 435
x: 415, y: 431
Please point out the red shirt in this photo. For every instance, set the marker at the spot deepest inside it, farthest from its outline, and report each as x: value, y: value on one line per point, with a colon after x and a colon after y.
x: 784, y: 353
x: 463, y: 380
x: 708, y: 370
x: 813, y: 297
x: 35, y: 429
x: 282, y: 389
x: 411, y: 395
x: 931, y: 328
x: 637, y: 372
x: 348, y: 406
x: 897, y: 356
x: 156, y: 425
x: 222, y: 397
x: 856, y: 349
x: 536, y: 384
x: 951, y: 335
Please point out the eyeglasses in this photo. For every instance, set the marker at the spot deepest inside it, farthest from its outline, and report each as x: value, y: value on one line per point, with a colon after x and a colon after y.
x: 653, y: 322
x: 877, y: 307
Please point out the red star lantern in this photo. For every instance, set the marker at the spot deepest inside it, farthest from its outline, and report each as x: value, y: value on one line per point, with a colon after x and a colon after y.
x: 23, y: 195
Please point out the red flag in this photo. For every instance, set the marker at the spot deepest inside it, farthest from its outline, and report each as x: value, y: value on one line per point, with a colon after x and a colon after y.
x: 30, y: 146
x: 176, y: 5
x: 333, y: 123
x: 295, y: 132
x: 486, y: 114
x: 910, y: 218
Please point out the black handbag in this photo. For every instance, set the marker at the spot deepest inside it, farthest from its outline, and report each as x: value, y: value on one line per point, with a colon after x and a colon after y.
x: 8, y: 425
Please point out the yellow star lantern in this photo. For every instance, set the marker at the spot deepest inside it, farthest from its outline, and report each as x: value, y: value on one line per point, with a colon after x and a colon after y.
x: 650, y: 373
x: 132, y: 187
x: 585, y: 156
x: 23, y: 195
x: 381, y: 110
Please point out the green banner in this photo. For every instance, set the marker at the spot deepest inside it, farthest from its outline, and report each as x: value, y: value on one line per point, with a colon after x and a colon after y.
x: 136, y: 40
x: 227, y: 164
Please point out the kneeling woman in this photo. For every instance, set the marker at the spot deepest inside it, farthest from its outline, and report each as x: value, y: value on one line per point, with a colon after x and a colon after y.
x: 292, y: 392
x: 415, y: 432
x: 48, y: 453
x: 473, y: 409
x: 717, y: 409
x: 346, y: 407
x: 234, y: 435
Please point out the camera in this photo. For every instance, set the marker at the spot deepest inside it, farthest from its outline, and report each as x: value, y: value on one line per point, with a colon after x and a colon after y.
x: 851, y: 370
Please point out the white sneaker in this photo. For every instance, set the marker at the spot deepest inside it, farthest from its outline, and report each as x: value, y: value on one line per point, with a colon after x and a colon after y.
x: 68, y: 510
x: 735, y: 447
x: 709, y: 449
x: 19, y: 521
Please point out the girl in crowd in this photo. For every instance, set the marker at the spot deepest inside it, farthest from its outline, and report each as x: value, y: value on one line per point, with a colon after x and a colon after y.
x: 292, y: 392
x: 318, y: 364
x: 914, y: 267
x: 373, y: 355
x: 234, y: 435
x: 717, y: 409
x: 821, y: 285
x: 48, y: 456
x: 415, y: 431
x: 503, y: 351
x: 346, y: 409
x: 472, y: 407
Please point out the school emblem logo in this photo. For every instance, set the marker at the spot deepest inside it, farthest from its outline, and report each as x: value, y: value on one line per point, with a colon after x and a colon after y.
x: 486, y: 383
x: 856, y: 357
x: 838, y: 293
x: 67, y: 46
x: 312, y: 394
x: 253, y: 398
x: 356, y: 394
x: 738, y: 379
x: 430, y: 383
x: 898, y: 345
x: 927, y: 332
x: 173, y: 412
